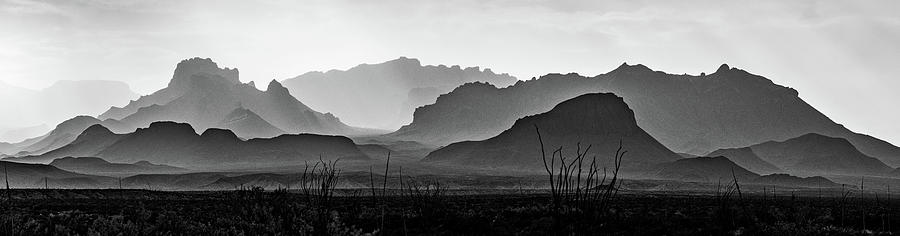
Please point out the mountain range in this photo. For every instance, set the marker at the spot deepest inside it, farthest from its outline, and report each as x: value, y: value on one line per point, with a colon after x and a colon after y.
x: 178, y: 144
x: 94, y: 165
x: 384, y: 95
x: 745, y: 157
x: 24, y: 175
x: 206, y: 96
x: 721, y: 170
x: 686, y: 113
x: 599, y: 120
x: 816, y: 154
x: 64, y: 134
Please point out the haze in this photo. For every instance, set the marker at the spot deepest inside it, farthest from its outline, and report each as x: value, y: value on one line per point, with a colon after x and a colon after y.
x: 841, y: 56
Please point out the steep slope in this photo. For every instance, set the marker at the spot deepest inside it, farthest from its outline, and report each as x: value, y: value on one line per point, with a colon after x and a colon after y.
x: 704, y: 169
x: 745, y: 157
x: 688, y: 114
x: 88, y: 143
x: 177, y: 144
x: 62, y: 100
x: 245, y: 123
x: 94, y: 165
x: 818, y: 154
x: 599, y: 120
x: 384, y: 95
x: 201, y: 94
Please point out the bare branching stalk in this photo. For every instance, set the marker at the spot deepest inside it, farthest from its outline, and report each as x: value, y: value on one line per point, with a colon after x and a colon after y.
x: 317, y: 184
x: 577, y: 186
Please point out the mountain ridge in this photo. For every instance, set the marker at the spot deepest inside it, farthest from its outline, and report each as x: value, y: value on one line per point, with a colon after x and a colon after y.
x: 374, y: 94
x: 601, y: 120
x: 689, y: 114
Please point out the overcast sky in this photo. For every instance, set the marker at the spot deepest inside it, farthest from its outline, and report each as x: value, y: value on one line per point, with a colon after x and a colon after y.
x: 842, y: 56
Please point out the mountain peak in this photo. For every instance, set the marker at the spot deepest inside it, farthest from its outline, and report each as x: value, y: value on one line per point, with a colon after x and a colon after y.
x: 219, y: 134
x: 601, y: 120
x: 95, y: 130
x: 275, y: 87
x: 274, y: 84
x: 193, y: 66
x: 723, y: 68
x: 169, y: 125
x: 625, y: 68
x: 405, y: 61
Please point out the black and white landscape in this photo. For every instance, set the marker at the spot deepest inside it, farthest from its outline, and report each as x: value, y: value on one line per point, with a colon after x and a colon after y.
x: 464, y: 118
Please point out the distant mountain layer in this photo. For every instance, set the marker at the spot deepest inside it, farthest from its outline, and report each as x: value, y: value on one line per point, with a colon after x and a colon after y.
x: 63, y: 100
x: 722, y: 170
x: 206, y: 96
x: 22, y: 175
x: 820, y: 155
x: 94, y: 165
x: 704, y: 169
x: 688, y: 114
x: 789, y: 180
x: 384, y: 95
x: 598, y: 120
x: 64, y: 134
x: 177, y: 144
x: 747, y: 159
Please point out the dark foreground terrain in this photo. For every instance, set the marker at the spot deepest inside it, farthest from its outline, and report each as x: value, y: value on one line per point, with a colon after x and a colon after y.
x: 441, y: 212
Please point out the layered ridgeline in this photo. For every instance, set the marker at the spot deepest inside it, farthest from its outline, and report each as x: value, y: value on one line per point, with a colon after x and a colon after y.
x: 65, y: 133
x: 745, y: 157
x: 178, y: 144
x: 721, y: 170
x: 688, y: 114
x: 206, y: 96
x: 94, y: 165
x: 815, y: 154
x: 23, y: 108
x: 384, y: 95
x: 598, y: 120
x: 23, y: 175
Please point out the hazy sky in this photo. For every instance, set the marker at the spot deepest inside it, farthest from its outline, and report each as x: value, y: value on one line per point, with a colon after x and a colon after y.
x: 843, y: 56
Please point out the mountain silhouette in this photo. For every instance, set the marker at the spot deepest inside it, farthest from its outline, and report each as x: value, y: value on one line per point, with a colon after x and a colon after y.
x: 688, y: 114
x: 204, y: 95
x: 245, y: 123
x: 384, y: 95
x: 94, y: 165
x: 599, y: 120
x: 745, y: 157
x: 23, y: 175
x: 789, y: 180
x: 821, y: 155
x: 704, y: 169
x: 91, y: 141
x: 63, y: 100
x: 172, y: 143
x: 64, y: 134
x: 189, y: 181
